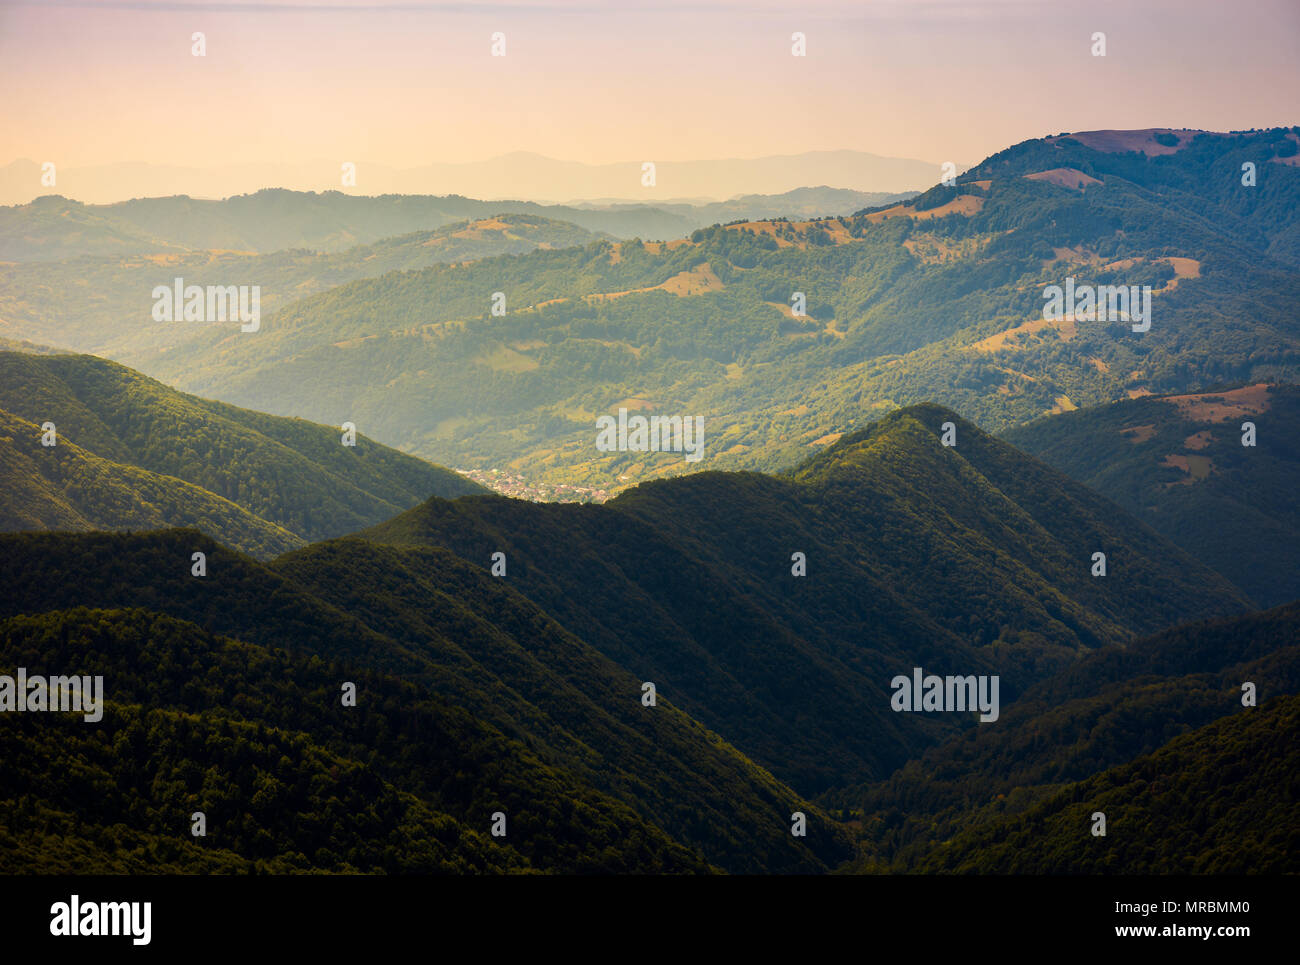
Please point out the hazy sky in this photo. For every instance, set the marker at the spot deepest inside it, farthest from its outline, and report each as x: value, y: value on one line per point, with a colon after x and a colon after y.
x: 403, y: 84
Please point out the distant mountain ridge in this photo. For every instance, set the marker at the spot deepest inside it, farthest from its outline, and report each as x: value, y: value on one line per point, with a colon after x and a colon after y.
x: 521, y: 174
x: 55, y: 228
x: 103, y: 304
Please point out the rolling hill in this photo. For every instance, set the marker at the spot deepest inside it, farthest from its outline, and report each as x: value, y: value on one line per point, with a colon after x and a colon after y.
x: 974, y: 558
x: 54, y: 228
x: 67, y: 488
x: 839, y: 532
x: 134, y: 454
x: 1218, y: 801
x: 939, y: 298
x: 472, y: 643
x: 1177, y: 463
x: 771, y: 688
x: 103, y: 305
x: 287, y: 779
x: 1114, y: 706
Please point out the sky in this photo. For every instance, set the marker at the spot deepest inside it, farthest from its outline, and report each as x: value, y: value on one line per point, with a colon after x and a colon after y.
x: 405, y: 83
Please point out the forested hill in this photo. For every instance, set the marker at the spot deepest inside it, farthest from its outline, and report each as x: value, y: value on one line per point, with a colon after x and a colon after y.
x: 103, y: 304
x: 1220, y: 800
x: 974, y: 558
x: 68, y: 488
x: 445, y: 629
x: 1115, y: 705
x: 287, y: 779
x: 770, y: 614
x: 132, y: 453
x: 1178, y: 463
x: 54, y: 228
x: 940, y: 298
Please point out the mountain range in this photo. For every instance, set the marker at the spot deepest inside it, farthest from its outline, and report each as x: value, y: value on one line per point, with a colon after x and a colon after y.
x: 1104, y: 723
x: 940, y: 298
x: 382, y: 667
x: 771, y: 688
x: 517, y: 175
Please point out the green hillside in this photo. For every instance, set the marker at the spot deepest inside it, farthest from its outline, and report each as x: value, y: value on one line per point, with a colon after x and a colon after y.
x: 289, y: 779
x: 1220, y: 800
x: 844, y: 527
x: 1113, y: 706
x: 67, y: 488
x: 973, y: 559
x: 937, y: 299
x: 771, y: 688
x: 104, y: 304
x: 32, y: 348
x: 54, y: 228
x: 452, y: 631
x: 133, y: 453
x: 1178, y: 464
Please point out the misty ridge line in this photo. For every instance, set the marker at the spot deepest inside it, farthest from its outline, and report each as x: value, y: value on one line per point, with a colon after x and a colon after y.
x: 519, y: 175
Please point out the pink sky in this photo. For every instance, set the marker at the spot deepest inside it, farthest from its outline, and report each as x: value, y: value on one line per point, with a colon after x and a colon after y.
x: 403, y: 84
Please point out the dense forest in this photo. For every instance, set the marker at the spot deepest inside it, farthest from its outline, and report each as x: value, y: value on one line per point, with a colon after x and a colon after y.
x: 463, y: 636
x: 131, y: 453
x: 1113, y: 706
x: 523, y: 691
x: 1220, y: 800
x: 972, y: 557
x: 287, y: 778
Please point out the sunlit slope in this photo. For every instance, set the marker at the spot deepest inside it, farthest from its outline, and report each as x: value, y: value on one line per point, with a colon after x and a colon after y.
x: 294, y: 481
x: 939, y: 298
